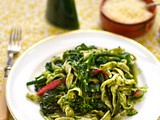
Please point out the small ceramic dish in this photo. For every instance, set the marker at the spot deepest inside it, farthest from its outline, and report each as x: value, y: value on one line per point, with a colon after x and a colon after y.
x: 135, y: 29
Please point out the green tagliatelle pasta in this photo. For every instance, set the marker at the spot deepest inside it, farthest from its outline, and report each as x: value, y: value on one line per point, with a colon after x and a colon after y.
x: 88, y: 83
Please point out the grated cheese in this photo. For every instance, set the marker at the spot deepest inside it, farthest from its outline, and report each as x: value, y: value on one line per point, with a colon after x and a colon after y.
x: 127, y: 11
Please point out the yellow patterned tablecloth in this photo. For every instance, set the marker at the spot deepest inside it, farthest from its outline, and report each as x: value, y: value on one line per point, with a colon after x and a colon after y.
x: 30, y: 14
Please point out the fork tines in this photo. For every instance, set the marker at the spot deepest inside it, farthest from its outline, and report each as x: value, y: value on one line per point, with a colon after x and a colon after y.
x: 15, y: 35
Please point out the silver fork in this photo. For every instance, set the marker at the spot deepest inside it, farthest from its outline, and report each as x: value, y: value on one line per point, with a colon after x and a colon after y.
x: 14, y: 47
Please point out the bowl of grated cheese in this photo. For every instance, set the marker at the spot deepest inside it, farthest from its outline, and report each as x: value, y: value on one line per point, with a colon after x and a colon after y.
x: 130, y: 18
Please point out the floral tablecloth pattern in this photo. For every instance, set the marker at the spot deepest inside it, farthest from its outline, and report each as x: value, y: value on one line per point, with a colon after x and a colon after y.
x: 30, y: 15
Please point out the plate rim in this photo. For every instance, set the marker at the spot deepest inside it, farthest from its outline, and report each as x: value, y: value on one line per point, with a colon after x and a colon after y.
x: 41, y: 41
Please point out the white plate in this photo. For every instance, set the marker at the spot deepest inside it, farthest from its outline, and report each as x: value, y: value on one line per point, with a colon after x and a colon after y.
x: 32, y: 62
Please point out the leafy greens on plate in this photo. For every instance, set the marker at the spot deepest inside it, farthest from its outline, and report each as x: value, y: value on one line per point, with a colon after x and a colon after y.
x: 90, y: 83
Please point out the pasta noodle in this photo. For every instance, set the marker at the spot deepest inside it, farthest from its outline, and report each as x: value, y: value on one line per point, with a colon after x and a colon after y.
x: 88, y: 83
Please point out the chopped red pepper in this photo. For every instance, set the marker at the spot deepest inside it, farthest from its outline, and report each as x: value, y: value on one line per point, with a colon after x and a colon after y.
x: 102, y: 71
x: 137, y: 94
x: 50, y: 86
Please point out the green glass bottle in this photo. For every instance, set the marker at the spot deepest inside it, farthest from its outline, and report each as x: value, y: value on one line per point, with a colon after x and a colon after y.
x: 62, y: 13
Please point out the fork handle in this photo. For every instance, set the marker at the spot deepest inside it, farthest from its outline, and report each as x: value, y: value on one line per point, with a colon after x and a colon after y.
x: 9, y: 61
x: 4, y: 112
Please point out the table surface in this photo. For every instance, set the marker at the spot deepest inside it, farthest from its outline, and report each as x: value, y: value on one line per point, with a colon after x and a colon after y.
x: 30, y: 14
